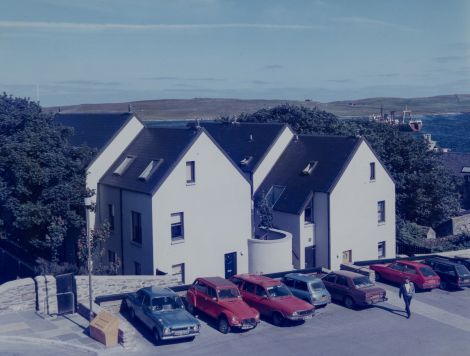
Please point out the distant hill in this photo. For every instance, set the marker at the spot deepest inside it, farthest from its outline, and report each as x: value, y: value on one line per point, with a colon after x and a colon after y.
x: 181, y: 109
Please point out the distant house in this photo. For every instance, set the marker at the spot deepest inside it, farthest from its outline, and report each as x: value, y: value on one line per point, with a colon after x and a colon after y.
x: 456, y: 225
x: 179, y: 205
x: 459, y: 165
x: 336, y: 198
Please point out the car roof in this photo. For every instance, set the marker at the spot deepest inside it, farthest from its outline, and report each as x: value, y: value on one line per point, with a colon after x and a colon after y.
x: 348, y: 274
x: 442, y: 260
x: 260, y: 280
x: 302, y: 277
x: 157, y: 291
x: 412, y: 263
x: 216, y: 282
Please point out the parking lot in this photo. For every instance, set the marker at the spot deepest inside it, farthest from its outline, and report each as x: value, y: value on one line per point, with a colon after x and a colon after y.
x: 440, y: 323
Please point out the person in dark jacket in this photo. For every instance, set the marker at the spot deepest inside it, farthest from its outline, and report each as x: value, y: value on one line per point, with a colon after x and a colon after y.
x: 407, y: 290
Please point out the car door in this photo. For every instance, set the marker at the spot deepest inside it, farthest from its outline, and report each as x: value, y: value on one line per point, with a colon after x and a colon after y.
x: 290, y: 283
x: 411, y: 273
x: 248, y: 292
x: 302, y: 290
x: 201, y: 290
x: 144, y: 312
x: 212, y: 305
x: 262, y: 303
x: 342, y: 287
x: 395, y: 272
x: 330, y: 283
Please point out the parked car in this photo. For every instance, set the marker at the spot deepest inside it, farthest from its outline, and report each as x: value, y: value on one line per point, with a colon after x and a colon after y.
x: 162, y: 311
x: 352, y: 289
x: 460, y: 260
x: 307, y: 287
x: 453, y: 275
x: 220, y: 299
x: 420, y: 274
x: 272, y: 298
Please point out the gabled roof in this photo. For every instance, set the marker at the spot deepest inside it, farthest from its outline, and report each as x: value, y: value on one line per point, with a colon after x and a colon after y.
x: 245, y: 141
x: 456, y: 161
x: 328, y: 154
x: 93, y: 129
x: 165, y: 144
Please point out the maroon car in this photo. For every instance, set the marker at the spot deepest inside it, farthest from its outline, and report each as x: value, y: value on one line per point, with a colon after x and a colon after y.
x: 353, y: 289
x: 221, y: 300
x: 420, y: 274
x: 272, y: 298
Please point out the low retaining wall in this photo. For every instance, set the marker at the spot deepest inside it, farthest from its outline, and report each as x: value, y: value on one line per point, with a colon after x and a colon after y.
x: 18, y: 295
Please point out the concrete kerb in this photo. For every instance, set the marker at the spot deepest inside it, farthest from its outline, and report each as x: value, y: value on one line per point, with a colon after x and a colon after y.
x: 36, y: 341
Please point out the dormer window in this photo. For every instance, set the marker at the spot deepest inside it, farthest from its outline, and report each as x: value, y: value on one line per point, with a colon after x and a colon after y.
x: 150, y: 169
x: 121, y: 169
x: 245, y: 161
x: 309, y: 168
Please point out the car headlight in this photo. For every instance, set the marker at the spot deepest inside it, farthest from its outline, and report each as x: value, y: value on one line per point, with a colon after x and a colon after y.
x: 166, y: 331
x: 295, y: 313
x: 195, y: 327
x: 234, y: 319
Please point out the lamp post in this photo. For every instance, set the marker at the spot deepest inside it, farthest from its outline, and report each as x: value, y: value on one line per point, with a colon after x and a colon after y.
x: 89, y: 259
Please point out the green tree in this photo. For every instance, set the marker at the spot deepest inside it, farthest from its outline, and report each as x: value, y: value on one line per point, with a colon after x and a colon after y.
x: 264, y: 212
x: 42, y: 178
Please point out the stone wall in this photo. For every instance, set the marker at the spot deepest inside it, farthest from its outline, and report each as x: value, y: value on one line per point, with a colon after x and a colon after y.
x: 18, y: 295
x: 109, y: 285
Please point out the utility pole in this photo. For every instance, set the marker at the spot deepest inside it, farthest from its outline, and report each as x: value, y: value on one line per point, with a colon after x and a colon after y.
x: 90, y: 261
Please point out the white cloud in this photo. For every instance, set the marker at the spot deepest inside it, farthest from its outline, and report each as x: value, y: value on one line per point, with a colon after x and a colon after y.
x: 39, y: 25
x: 355, y: 20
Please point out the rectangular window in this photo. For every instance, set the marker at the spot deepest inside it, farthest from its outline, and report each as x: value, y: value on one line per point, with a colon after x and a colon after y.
x: 111, y: 256
x: 137, y: 268
x: 136, y: 227
x: 111, y: 216
x: 190, y: 172
x: 178, y: 272
x: 381, y: 249
x: 372, y: 171
x: 308, y: 213
x: 347, y: 256
x: 381, y: 211
x: 177, y: 226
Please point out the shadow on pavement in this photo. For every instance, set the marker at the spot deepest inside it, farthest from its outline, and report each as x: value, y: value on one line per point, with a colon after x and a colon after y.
x: 399, y: 312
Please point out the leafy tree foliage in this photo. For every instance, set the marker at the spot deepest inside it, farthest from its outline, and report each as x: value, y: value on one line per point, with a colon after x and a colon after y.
x: 42, y: 177
x: 264, y: 212
x: 426, y: 193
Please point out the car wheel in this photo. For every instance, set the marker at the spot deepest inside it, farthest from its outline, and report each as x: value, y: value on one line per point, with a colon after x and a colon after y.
x: 278, y: 319
x: 348, y: 302
x: 443, y: 285
x: 132, y: 314
x: 156, y: 336
x: 191, y: 309
x: 223, y: 325
x: 378, y: 277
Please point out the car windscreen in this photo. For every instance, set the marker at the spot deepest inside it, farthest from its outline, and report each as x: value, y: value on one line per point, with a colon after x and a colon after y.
x: 278, y: 291
x: 427, y: 272
x: 462, y: 271
x: 317, y: 285
x: 228, y: 293
x: 167, y: 303
x: 362, y: 282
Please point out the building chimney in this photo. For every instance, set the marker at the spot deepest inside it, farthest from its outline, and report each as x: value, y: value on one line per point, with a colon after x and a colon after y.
x: 129, y: 107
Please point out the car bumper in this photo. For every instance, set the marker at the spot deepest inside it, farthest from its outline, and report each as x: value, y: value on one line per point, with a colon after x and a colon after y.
x: 179, y: 336
x: 462, y: 284
x: 429, y: 285
x: 321, y: 302
x: 375, y: 301
x: 299, y: 317
x: 246, y: 326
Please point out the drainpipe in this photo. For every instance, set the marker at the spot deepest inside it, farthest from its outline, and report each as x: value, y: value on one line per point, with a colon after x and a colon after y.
x: 329, y: 231
x: 252, y: 207
x: 122, y: 232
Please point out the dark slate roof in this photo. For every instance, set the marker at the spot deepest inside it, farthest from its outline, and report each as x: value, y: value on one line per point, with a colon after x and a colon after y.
x: 332, y: 153
x: 93, y: 129
x: 455, y: 161
x: 150, y: 144
x: 235, y: 140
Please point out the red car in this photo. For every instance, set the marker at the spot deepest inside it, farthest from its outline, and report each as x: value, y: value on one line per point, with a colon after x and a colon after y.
x: 272, y: 298
x: 221, y: 300
x: 420, y: 274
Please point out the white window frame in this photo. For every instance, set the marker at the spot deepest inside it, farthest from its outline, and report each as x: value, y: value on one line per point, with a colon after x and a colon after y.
x: 176, y: 220
x: 383, y: 249
x: 190, y: 172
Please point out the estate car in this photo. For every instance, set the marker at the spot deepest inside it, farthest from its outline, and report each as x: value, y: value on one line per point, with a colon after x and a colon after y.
x: 221, y: 300
x: 307, y: 287
x: 272, y: 298
x: 453, y: 275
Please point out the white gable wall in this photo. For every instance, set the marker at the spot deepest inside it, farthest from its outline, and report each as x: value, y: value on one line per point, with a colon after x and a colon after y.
x: 353, y: 211
x: 109, y: 155
x: 216, y: 211
x: 272, y: 156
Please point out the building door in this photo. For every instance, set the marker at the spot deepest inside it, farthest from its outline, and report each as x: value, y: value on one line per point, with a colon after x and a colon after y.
x: 230, y: 264
x: 310, y: 257
x: 347, y: 256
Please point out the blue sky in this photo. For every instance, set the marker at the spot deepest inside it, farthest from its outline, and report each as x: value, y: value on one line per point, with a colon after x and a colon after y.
x: 88, y: 51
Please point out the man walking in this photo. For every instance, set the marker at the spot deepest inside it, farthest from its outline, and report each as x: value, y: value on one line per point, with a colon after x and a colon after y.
x: 407, y: 289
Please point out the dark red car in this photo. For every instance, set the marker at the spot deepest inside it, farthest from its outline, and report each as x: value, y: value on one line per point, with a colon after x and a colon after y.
x: 420, y: 274
x: 221, y: 300
x: 353, y: 289
x: 272, y: 298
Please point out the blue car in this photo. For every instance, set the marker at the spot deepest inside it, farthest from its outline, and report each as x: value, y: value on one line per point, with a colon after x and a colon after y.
x: 307, y: 287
